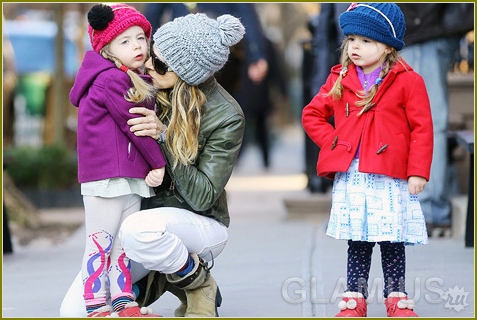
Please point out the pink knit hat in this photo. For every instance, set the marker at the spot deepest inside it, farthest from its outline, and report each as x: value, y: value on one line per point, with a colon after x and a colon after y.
x: 107, y: 22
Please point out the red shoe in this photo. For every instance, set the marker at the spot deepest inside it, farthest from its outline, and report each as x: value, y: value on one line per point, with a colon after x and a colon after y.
x: 352, y: 305
x: 132, y: 310
x: 100, y: 312
x: 398, y: 305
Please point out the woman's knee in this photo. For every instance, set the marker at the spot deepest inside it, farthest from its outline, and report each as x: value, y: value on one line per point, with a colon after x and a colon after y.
x: 140, y: 226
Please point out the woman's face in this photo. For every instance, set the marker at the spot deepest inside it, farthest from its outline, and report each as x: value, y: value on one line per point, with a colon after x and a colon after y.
x: 165, y: 81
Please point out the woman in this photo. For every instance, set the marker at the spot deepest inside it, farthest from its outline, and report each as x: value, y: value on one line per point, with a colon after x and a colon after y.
x: 200, y: 130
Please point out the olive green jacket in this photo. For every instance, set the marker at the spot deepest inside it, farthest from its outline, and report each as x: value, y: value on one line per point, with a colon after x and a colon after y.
x: 200, y: 187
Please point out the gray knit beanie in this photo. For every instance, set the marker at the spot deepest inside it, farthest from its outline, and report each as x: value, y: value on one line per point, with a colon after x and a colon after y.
x: 196, y: 46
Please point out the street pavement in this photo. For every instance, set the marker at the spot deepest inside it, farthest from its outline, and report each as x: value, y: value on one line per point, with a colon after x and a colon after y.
x: 275, y: 264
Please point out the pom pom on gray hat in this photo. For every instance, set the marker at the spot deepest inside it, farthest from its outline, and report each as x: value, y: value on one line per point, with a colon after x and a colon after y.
x: 231, y: 29
x: 195, y: 46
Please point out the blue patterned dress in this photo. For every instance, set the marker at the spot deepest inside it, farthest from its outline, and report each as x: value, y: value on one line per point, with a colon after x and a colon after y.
x: 374, y: 208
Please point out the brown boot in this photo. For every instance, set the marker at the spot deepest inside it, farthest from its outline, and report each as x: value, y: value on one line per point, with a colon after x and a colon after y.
x: 203, y: 295
x: 179, y: 293
x: 204, y: 301
x: 153, y: 286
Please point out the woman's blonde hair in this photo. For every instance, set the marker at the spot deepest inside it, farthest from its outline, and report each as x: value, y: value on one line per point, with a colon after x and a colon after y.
x: 141, y: 90
x: 180, y: 107
x: 389, y: 60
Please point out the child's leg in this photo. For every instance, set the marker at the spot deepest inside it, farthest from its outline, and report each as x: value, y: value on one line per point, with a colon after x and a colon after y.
x: 393, y: 261
x: 120, y: 269
x: 73, y: 306
x: 353, y: 303
x: 103, y: 217
x: 359, y: 264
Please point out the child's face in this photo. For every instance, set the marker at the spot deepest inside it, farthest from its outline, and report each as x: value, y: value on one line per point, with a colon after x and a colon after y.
x: 130, y: 47
x: 366, y: 53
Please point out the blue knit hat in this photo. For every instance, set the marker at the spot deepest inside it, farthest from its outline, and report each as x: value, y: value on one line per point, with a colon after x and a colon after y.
x: 382, y: 22
x: 196, y: 46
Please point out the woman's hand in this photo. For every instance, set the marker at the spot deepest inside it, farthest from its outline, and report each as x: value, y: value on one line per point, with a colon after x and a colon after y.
x: 149, y: 125
x: 416, y: 184
x: 155, y: 176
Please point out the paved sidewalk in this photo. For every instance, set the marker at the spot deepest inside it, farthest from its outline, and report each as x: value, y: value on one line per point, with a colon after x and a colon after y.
x: 273, y: 265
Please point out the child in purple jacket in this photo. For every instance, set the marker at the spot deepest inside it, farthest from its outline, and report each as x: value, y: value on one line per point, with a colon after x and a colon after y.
x: 114, y: 166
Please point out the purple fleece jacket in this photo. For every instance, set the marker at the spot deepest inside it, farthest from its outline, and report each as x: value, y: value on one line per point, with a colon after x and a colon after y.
x: 106, y: 146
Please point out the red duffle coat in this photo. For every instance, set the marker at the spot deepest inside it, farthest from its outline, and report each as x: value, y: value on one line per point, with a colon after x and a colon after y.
x: 395, y: 136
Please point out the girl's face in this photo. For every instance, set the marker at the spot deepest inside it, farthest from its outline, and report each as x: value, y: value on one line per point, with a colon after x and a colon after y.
x: 366, y: 53
x: 130, y: 47
x: 161, y: 81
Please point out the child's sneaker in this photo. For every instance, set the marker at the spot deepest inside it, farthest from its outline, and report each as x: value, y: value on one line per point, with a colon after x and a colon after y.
x: 132, y: 310
x: 398, y: 305
x: 352, y: 305
x: 100, y: 312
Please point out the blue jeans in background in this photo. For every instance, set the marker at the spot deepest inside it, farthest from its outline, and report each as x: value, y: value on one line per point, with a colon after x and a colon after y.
x: 431, y: 60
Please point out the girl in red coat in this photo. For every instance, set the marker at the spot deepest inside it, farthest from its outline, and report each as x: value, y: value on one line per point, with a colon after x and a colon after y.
x: 378, y: 152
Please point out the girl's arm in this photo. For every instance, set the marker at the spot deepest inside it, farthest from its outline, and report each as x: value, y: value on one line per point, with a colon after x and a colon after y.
x: 119, y: 108
x: 418, y: 113
x: 316, y: 114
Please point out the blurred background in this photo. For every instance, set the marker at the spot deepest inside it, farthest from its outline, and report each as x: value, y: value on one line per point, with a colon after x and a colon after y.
x: 39, y: 123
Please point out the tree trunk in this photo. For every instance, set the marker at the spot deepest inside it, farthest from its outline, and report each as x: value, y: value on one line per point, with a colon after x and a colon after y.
x: 19, y: 208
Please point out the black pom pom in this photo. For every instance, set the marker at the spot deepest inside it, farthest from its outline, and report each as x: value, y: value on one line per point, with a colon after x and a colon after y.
x: 100, y: 16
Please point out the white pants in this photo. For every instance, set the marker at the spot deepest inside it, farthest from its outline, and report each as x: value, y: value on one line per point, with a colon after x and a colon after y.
x: 157, y: 239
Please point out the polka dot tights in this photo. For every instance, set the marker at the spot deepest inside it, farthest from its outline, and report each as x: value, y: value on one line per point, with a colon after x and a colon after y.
x: 393, y: 262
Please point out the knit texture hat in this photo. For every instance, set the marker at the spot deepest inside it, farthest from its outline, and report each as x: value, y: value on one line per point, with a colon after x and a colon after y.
x: 107, y: 22
x: 196, y: 46
x: 382, y: 22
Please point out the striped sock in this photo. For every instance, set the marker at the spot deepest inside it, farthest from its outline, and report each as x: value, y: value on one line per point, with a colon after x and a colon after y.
x: 119, y: 302
x: 94, y: 304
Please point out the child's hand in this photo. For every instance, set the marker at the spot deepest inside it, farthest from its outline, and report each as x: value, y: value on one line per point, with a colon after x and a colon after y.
x: 154, y: 177
x: 416, y: 184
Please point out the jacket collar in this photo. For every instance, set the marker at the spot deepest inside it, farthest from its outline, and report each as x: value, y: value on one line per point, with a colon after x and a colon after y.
x: 400, y: 66
x: 351, y: 81
x: 208, y: 85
